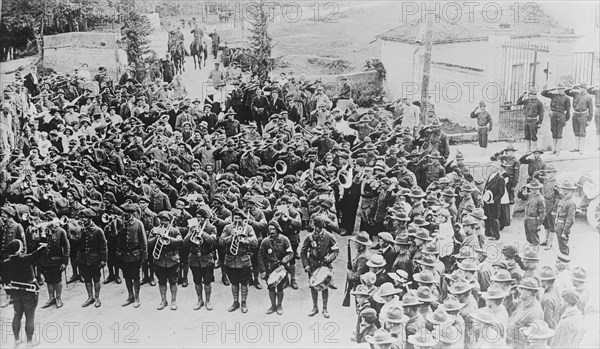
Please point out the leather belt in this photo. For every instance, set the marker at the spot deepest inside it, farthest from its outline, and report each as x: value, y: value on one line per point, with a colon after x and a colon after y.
x: 581, y: 111
x: 559, y: 111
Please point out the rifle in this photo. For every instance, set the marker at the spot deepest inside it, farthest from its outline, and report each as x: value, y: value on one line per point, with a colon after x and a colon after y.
x: 348, y: 287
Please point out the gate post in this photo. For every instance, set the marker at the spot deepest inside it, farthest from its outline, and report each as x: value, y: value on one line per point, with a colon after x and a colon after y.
x: 494, y: 70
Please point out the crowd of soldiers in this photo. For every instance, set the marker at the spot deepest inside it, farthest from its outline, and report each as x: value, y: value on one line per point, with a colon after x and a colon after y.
x: 130, y: 183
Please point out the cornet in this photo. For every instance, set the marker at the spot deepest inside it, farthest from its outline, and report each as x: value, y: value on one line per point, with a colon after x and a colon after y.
x: 238, y: 233
x: 108, y: 217
x: 196, y: 238
x: 162, y: 240
x: 64, y: 220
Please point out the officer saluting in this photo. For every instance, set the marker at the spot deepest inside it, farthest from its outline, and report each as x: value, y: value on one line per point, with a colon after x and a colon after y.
x: 91, y: 256
x: 132, y: 250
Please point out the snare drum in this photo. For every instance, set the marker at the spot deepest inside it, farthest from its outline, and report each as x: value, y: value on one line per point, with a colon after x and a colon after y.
x: 276, y: 277
x: 321, y: 278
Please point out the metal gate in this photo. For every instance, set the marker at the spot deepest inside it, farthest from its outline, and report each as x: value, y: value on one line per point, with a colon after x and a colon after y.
x: 521, y: 68
x: 585, y: 67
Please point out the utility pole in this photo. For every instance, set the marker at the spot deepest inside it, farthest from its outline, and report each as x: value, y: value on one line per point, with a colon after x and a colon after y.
x: 426, y: 65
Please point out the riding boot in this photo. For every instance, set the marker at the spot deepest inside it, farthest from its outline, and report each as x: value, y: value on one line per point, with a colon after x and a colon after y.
x: 163, y: 297
x: 315, y: 297
x: 207, y: 293
x: 97, y: 287
x: 136, y: 293
x: 280, y: 302
x: 89, y: 287
x: 58, y: 290
x: 200, y: 303
x: 325, y: 294
x: 51, y: 299
x: 244, y: 297
x: 235, y: 292
x: 173, y: 297
x: 273, y: 298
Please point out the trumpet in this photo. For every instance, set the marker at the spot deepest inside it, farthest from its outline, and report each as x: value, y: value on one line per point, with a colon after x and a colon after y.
x: 64, y: 220
x: 280, y: 167
x: 162, y: 241
x: 108, y: 217
x: 196, y: 238
x: 239, y: 232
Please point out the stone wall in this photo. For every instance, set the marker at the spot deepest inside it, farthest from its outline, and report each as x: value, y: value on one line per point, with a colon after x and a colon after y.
x: 63, y: 52
x: 332, y: 83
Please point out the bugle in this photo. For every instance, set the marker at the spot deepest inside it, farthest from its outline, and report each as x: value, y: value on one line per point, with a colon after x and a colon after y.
x: 108, y: 217
x: 196, y: 238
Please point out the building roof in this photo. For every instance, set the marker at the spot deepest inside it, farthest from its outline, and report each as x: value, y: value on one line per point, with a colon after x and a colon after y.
x: 472, y: 27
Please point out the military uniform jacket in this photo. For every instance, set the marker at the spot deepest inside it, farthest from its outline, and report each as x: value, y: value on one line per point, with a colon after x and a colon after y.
x: 202, y: 255
x: 550, y: 305
x: 131, y: 242
x: 566, y: 213
x: 10, y: 231
x: 359, y: 267
x: 550, y: 194
x: 58, y: 248
x: 169, y: 256
x: 319, y: 250
x: 159, y: 201
x: 247, y: 244
x: 149, y: 220
x: 92, y: 249
x: 523, y: 315
x: 536, y: 207
x: 511, y: 166
x: 532, y: 108
x: 274, y: 252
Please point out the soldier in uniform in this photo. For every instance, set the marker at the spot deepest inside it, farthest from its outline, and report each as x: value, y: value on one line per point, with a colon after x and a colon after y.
x: 221, y: 217
x: 150, y: 220
x: 11, y: 230
x: 550, y: 193
x: 534, y: 115
x: 166, y: 264
x: 433, y: 169
x: 256, y: 219
x: 55, y: 261
x: 238, y: 240
x: 181, y: 223
x: 275, y: 250
x: 511, y: 168
x: 91, y: 256
x: 132, y: 250
x: 534, y: 163
x: 201, y: 244
x: 319, y: 249
x: 290, y: 221
x: 583, y: 115
x: 111, y: 232
x: 359, y: 263
x: 535, y: 212
x: 565, y: 215
x: 560, y: 105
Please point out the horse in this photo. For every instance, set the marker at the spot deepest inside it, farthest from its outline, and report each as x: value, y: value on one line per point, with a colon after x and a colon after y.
x: 197, y: 51
x: 177, y: 56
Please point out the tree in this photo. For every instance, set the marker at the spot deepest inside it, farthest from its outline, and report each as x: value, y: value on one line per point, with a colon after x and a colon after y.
x: 260, y: 40
x: 136, y: 31
x: 31, y: 13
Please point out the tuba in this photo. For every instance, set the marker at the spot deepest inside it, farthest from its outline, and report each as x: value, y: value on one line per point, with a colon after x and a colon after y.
x: 238, y: 233
x: 344, y: 177
x: 162, y: 241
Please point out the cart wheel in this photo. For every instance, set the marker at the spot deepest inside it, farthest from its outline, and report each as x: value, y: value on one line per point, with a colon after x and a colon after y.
x: 593, y: 213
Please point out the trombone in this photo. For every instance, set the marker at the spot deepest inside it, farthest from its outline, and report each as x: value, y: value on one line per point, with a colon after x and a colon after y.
x: 238, y: 233
x: 162, y: 240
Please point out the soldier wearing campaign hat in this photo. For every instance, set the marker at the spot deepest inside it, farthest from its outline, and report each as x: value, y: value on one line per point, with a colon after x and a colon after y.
x: 56, y: 259
x: 565, y: 215
x: 535, y: 212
